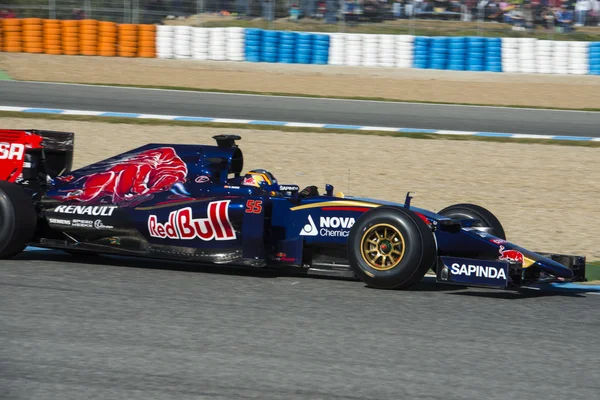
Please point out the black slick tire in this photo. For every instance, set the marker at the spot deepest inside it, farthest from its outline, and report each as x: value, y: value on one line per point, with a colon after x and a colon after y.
x: 472, y: 211
x: 370, y: 240
x: 18, y: 219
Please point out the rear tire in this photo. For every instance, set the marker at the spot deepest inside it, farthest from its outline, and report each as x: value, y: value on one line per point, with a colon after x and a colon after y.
x: 18, y: 219
x: 472, y: 211
x: 391, y: 248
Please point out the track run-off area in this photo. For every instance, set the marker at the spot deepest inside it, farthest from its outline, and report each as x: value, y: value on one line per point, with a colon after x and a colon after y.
x: 123, y: 328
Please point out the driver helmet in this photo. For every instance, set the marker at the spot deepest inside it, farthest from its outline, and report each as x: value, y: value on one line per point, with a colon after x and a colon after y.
x: 260, y: 178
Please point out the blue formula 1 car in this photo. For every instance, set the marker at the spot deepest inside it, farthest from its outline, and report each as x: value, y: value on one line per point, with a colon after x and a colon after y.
x: 194, y: 203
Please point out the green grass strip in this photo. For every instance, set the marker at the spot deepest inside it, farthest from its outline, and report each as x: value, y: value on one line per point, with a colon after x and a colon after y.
x: 412, y: 135
x: 4, y: 76
x: 592, y: 271
x: 313, y: 96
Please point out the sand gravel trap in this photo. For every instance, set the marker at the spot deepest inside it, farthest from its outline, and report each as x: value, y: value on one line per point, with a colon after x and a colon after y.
x: 545, y: 195
x: 390, y: 83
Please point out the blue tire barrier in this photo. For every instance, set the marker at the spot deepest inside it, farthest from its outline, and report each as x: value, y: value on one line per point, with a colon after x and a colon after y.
x: 457, y: 50
x: 476, y: 54
x: 594, y: 58
x: 494, y: 42
x: 270, y: 46
x: 476, y: 68
x: 288, y: 35
x: 438, y: 53
x: 304, y: 37
x: 456, y: 67
x: 304, y: 48
x: 493, y: 55
x: 251, y: 48
x: 253, y: 44
x: 287, y: 47
x: 270, y: 39
x: 320, y: 51
x: 270, y: 49
x: 421, y: 52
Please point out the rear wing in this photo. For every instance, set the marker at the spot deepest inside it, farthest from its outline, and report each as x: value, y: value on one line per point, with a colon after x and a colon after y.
x: 27, y: 153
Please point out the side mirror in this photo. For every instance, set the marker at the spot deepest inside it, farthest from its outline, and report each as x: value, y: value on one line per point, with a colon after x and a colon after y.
x: 329, y: 189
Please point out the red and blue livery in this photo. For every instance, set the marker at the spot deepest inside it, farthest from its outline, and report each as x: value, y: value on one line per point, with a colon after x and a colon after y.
x: 195, y: 203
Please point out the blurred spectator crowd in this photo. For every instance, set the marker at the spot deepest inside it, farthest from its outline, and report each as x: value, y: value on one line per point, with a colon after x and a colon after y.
x: 562, y: 15
x: 522, y: 14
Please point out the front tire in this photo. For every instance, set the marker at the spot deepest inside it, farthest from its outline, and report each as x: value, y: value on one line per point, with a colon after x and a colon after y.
x: 391, y: 248
x: 18, y: 219
x: 472, y: 211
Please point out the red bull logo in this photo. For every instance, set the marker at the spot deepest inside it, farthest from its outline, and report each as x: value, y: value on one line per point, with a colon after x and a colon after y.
x: 249, y: 181
x: 141, y: 174
x: 182, y: 225
x: 511, y: 255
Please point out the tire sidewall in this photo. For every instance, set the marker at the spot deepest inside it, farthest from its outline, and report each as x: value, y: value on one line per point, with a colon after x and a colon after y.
x: 7, y: 216
x: 19, y: 219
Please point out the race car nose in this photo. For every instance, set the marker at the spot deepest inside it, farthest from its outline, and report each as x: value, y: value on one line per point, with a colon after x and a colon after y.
x: 553, y: 267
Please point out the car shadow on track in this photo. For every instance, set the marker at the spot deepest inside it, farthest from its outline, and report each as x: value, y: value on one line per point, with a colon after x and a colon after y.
x: 519, y: 294
x: 59, y: 256
x: 427, y: 285
x: 146, y: 263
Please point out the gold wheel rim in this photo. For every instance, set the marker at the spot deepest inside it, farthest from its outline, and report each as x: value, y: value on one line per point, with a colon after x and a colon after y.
x: 382, y: 247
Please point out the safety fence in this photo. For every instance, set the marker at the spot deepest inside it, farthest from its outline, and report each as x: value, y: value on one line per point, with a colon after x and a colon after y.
x: 78, y: 37
x: 90, y: 37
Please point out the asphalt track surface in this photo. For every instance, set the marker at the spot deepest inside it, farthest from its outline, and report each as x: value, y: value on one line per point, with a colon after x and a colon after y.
x: 116, y: 328
x: 294, y: 109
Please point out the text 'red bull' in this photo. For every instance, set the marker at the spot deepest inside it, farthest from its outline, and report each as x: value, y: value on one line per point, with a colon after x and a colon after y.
x: 182, y: 225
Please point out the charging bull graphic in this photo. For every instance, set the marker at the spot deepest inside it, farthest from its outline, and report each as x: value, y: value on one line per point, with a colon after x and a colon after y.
x: 511, y: 255
x: 138, y: 175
